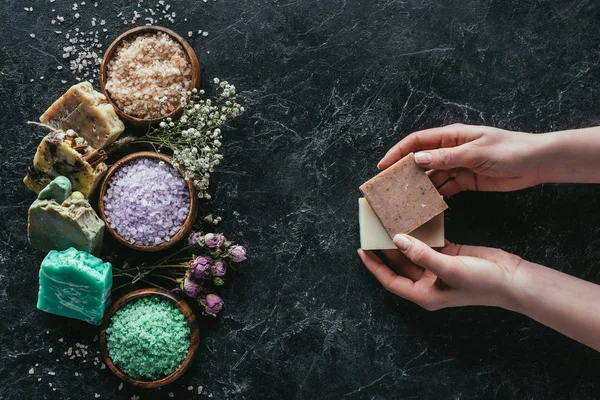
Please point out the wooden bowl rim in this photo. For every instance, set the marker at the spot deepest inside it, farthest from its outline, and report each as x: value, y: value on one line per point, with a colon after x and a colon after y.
x: 187, y: 223
x: 190, y: 318
x: 109, y: 53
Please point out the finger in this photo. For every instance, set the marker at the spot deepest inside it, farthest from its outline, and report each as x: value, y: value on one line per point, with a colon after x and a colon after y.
x: 447, y: 157
x: 402, y: 265
x: 446, y: 136
x: 396, y: 284
x: 442, y: 265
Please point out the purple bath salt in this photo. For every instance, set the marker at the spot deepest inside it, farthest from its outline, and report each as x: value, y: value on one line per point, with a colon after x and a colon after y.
x: 147, y: 201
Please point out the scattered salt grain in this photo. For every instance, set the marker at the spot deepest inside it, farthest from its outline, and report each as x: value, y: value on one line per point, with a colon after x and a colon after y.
x: 120, y: 386
x: 146, y: 202
x: 32, y: 35
x: 190, y: 388
x: 51, y: 373
x: 150, y: 66
x: 204, y: 33
x: 171, y: 394
x: 50, y: 350
x: 31, y: 371
x: 96, y: 395
x: 199, y: 389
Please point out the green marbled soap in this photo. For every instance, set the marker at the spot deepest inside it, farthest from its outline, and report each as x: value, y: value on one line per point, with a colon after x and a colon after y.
x: 75, y: 284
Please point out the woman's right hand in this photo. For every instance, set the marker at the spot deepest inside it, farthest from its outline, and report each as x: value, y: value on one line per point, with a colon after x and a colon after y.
x: 467, y: 157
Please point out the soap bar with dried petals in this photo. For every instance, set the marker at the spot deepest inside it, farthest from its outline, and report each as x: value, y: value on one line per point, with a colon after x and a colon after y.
x: 66, y: 154
x: 403, y: 197
x: 75, y: 284
x: 88, y: 113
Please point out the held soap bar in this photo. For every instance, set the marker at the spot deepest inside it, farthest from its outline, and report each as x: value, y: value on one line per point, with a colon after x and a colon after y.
x: 403, y: 197
x: 88, y: 113
x: 57, y: 223
x: 66, y: 154
x: 373, y: 235
x: 75, y: 284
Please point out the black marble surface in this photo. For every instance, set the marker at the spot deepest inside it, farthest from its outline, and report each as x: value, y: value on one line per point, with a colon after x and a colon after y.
x: 329, y: 87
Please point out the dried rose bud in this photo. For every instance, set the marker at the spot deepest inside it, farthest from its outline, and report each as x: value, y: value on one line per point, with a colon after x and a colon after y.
x: 218, y: 267
x: 214, y: 240
x: 213, y: 304
x: 200, y: 267
x: 194, y: 238
x: 218, y: 281
x: 237, y: 253
x: 191, y: 288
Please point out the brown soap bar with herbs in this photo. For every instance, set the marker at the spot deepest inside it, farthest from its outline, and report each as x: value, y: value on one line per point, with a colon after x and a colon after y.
x: 88, y: 113
x: 403, y: 197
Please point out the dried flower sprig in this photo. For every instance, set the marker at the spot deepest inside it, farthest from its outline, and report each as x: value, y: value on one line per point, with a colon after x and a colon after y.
x: 197, y: 276
x: 195, y: 139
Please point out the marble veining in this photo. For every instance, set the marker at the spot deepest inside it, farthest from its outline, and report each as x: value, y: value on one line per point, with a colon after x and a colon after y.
x: 329, y: 87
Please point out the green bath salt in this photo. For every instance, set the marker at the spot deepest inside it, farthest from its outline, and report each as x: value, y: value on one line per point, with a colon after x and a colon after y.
x: 148, y: 338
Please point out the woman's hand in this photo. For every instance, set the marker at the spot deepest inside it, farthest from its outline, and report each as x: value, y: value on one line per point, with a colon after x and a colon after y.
x: 464, y: 157
x: 469, y: 275
x: 455, y: 276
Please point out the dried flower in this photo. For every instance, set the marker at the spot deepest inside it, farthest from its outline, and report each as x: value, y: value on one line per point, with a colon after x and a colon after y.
x: 237, y: 253
x: 190, y: 287
x: 214, y: 240
x: 218, y: 267
x: 213, y: 304
x: 218, y: 281
x: 194, y: 238
x: 195, y: 138
x: 200, y: 267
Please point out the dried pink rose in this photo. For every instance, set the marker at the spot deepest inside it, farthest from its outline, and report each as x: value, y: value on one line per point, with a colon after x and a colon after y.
x: 200, y: 267
x: 237, y: 253
x: 194, y: 238
x: 214, y: 240
x: 191, y: 288
x: 218, y: 267
x: 213, y: 304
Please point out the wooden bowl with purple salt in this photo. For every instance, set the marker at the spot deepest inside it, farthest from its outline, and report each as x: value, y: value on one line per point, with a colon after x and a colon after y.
x: 146, y: 203
x: 144, y: 71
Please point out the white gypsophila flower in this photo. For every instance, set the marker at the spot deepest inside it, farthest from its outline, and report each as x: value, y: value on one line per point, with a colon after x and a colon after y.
x: 196, y: 138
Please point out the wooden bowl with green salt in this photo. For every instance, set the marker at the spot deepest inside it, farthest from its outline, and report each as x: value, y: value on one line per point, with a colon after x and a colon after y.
x: 149, y: 338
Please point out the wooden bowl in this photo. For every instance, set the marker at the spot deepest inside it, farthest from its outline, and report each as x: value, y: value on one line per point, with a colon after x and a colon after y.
x: 189, y: 317
x: 129, y: 35
x: 187, y: 224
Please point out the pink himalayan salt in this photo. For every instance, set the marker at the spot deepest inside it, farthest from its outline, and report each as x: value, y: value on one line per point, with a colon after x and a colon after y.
x: 146, y: 75
x: 146, y: 202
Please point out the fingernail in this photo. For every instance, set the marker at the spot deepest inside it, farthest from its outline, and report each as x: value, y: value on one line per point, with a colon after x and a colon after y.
x: 379, y: 164
x: 423, y: 157
x: 402, y: 242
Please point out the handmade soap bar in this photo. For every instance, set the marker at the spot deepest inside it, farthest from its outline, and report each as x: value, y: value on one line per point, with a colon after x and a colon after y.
x: 75, y: 284
x: 373, y: 235
x: 88, y: 113
x: 403, y: 197
x: 57, y: 223
x: 67, y: 154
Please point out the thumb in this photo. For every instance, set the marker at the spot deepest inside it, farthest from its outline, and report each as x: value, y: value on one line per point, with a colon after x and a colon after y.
x: 424, y: 256
x: 444, y: 158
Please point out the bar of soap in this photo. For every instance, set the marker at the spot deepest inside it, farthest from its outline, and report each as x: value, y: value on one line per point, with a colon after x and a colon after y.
x: 373, y: 235
x: 66, y: 154
x: 58, y: 223
x: 88, y: 113
x: 403, y: 197
x: 75, y: 284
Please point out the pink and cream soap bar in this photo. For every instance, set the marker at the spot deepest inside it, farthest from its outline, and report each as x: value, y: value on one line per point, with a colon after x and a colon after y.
x: 404, y: 200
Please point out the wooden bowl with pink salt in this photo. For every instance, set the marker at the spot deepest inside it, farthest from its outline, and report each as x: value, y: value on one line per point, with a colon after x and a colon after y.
x: 145, y: 202
x: 144, y: 72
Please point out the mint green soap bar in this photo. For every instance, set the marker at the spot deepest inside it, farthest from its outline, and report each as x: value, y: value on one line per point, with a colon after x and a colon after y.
x: 75, y: 284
